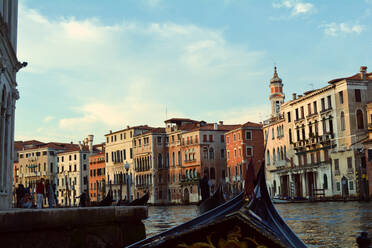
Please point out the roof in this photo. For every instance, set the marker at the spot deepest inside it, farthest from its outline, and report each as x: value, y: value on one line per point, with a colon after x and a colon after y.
x: 356, y: 77
x: 211, y: 127
x: 155, y: 130
x: 144, y: 127
x: 252, y: 124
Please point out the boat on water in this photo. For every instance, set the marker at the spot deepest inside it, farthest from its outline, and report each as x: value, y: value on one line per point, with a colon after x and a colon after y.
x: 212, y: 202
x: 108, y: 201
x: 247, y: 220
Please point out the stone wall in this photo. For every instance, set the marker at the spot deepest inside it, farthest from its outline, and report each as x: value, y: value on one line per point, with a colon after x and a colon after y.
x: 72, y: 227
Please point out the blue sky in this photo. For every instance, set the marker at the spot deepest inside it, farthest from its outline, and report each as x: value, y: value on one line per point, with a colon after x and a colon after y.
x: 96, y: 66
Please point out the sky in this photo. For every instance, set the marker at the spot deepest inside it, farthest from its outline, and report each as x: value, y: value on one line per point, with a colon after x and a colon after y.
x: 95, y: 66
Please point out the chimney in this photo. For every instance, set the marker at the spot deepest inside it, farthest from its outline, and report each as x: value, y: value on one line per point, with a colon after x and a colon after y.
x: 363, y: 72
x: 90, y: 142
x: 299, y: 96
x: 128, y: 127
x: 294, y: 96
x: 221, y: 123
x: 215, y: 126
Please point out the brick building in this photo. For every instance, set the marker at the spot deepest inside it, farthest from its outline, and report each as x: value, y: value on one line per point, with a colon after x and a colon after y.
x: 96, y: 180
x: 366, y: 176
x: 243, y: 144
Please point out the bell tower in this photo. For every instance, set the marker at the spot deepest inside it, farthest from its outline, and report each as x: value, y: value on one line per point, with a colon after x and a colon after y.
x: 276, y: 94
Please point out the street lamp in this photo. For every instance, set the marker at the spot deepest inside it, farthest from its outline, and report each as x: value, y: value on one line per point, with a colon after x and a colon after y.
x: 126, y: 166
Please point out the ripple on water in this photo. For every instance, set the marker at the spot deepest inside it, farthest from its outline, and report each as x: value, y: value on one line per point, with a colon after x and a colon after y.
x: 323, y: 224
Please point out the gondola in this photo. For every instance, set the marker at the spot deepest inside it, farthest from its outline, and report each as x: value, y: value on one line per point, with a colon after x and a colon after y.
x: 212, y: 202
x: 240, y: 222
x: 108, y: 200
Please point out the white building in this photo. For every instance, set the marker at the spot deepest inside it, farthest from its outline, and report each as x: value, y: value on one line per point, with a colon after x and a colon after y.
x: 9, y: 66
x: 314, y: 141
x: 73, y: 172
x: 119, y: 151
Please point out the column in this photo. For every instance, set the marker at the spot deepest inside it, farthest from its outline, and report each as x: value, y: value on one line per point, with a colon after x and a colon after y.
x: 2, y: 142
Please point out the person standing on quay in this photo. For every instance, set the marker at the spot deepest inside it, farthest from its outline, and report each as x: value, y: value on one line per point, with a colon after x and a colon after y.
x: 40, y: 193
x: 49, y: 193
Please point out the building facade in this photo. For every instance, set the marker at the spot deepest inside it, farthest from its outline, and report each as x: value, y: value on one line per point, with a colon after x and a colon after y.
x: 118, y: 152
x: 96, y: 180
x: 366, y: 174
x: 243, y: 144
x: 9, y: 66
x: 314, y: 140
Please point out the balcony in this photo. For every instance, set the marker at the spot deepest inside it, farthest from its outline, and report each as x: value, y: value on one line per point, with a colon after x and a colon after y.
x: 324, y: 111
x: 337, y: 173
x: 279, y: 163
x: 299, y: 145
x: 350, y: 171
x: 189, y: 161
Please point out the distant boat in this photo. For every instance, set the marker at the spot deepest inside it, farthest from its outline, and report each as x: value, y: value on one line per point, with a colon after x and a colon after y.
x: 239, y: 222
x: 212, y: 202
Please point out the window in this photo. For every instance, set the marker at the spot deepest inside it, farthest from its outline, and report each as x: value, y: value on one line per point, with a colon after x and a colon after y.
x: 369, y: 154
x: 329, y: 102
x: 322, y: 102
x: 107, y: 140
x: 358, y: 97
x: 360, y: 122
x: 106, y: 157
x: 302, y: 113
x: 211, y: 153
x: 69, y: 157
x: 234, y: 153
x: 228, y: 155
x: 51, y: 167
x: 289, y: 116
x: 315, y: 107
x: 273, y: 133
x: 248, y: 135
x: 349, y: 163
x: 268, y: 157
x: 238, y: 136
x: 227, y: 139
x: 309, y: 109
x: 325, y: 182
x: 240, y: 152
x: 74, y: 156
x: 338, y: 186
x: 131, y: 153
x: 337, y: 166
x: 250, y: 151
x: 351, y: 185
x: 342, y: 120
x: 84, y: 167
x: 297, y: 116
x: 222, y: 153
x: 74, y: 167
x: 341, y: 97
x: 222, y: 138
x: 204, y: 137
x: 290, y: 136
x: 159, y: 140
x: 234, y: 137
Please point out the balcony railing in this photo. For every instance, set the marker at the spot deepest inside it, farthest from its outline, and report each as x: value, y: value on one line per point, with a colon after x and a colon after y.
x: 337, y: 173
x: 350, y: 171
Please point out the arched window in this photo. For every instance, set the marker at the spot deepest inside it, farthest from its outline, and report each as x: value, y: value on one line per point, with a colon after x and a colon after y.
x: 278, y: 153
x: 360, y: 122
x: 325, y: 181
x: 342, y: 119
x: 167, y: 162
x: 160, y: 161
x: 187, y: 174
x: 211, y: 153
x: 205, y: 153
x: 281, y: 153
x: 268, y: 157
x: 173, y: 159
x: 290, y: 136
x: 274, y: 158
x: 285, y: 152
x: 195, y: 174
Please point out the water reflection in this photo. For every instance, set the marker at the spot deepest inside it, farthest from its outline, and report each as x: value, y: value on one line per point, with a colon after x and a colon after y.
x: 323, y: 224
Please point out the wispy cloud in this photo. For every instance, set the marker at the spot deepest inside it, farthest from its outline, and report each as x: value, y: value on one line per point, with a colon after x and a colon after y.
x: 296, y: 8
x: 125, y: 74
x: 336, y: 29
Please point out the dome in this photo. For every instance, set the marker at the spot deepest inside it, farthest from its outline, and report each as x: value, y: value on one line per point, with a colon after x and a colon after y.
x: 275, y: 78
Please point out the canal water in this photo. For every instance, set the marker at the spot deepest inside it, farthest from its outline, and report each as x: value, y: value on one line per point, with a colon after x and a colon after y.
x: 322, y: 224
